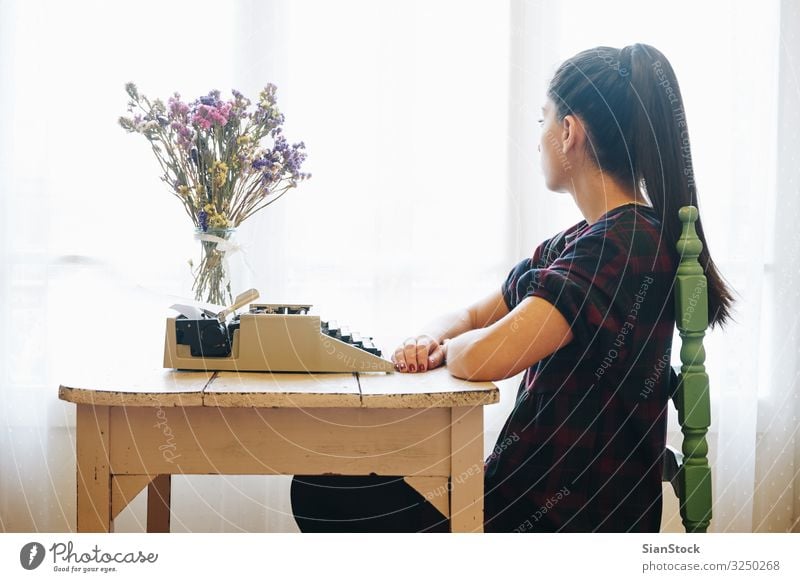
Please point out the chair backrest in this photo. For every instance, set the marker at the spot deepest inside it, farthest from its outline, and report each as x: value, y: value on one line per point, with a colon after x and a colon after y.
x: 692, y: 479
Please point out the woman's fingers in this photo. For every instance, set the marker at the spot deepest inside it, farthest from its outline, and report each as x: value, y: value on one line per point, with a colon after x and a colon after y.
x: 399, y: 359
x: 410, y: 354
x: 436, y: 357
x: 424, y: 346
x: 417, y: 354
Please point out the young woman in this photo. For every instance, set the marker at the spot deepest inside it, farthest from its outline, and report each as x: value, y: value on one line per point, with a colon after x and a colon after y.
x: 589, y: 318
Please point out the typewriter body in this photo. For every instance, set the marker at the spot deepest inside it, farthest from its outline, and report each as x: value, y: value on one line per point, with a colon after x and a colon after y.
x: 269, y: 337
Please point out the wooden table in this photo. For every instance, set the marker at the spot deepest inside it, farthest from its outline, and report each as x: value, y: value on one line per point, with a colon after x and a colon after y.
x: 135, y: 432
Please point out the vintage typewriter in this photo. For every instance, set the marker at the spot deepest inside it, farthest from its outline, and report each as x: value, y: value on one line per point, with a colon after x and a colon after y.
x: 269, y: 337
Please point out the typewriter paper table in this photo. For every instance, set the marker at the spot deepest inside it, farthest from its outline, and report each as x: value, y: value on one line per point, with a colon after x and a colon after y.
x: 134, y: 433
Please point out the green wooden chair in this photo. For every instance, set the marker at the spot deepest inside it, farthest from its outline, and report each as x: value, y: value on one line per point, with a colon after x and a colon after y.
x: 688, y: 471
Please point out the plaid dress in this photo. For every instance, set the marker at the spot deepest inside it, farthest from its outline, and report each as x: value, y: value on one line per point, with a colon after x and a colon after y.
x: 583, y: 448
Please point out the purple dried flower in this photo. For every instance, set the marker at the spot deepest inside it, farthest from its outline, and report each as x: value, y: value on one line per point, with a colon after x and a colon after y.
x: 207, y: 115
x: 294, y: 159
x: 176, y: 106
x: 202, y: 218
x: 265, y: 160
x: 212, y: 99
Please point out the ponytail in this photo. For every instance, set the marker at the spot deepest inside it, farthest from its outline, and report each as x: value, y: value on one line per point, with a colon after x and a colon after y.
x: 631, y: 105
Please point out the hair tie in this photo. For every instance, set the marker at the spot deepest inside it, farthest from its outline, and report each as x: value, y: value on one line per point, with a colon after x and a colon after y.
x: 624, y: 69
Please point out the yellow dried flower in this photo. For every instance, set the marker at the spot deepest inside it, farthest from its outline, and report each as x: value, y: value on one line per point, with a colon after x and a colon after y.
x: 218, y: 221
x: 219, y: 173
x: 183, y: 191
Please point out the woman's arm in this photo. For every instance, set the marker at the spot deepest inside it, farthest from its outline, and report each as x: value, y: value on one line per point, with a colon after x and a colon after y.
x: 424, y: 352
x: 532, y: 331
x: 480, y: 314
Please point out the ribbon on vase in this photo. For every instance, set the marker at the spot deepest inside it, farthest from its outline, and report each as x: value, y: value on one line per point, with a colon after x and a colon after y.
x: 226, y: 248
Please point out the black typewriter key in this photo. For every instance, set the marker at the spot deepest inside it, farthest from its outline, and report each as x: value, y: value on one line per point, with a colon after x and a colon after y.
x: 333, y: 328
x: 373, y: 349
x: 368, y: 346
x: 356, y: 339
x: 345, y: 335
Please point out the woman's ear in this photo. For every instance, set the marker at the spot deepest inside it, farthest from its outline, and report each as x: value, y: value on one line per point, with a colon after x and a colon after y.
x: 572, y: 136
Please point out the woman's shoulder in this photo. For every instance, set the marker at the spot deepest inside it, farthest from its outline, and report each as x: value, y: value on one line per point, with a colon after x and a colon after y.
x: 636, y: 231
x: 630, y: 231
x: 553, y: 247
x: 625, y: 222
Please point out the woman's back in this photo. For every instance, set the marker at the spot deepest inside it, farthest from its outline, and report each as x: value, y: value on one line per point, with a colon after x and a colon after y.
x: 585, y: 441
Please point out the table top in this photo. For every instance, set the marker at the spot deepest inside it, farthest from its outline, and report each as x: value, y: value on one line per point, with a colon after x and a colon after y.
x: 162, y: 387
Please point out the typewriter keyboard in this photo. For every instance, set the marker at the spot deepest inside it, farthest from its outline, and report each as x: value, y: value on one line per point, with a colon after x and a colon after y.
x: 343, y: 333
x: 329, y: 328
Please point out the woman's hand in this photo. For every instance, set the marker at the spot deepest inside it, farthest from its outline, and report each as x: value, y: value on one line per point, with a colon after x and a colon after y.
x: 418, y: 354
x: 423, y: 352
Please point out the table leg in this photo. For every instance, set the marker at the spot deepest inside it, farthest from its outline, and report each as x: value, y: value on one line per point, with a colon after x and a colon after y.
x: 94, y: 477
x: 466, y: 474
x: 158, y: 504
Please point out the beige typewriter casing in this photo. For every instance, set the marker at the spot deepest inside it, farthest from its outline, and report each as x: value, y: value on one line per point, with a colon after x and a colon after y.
x: 277, y: 343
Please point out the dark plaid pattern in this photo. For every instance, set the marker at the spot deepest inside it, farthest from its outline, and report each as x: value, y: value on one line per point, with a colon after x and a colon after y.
x: 582, y: 449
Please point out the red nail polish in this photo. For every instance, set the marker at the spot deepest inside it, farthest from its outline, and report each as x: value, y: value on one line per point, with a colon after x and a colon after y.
x: 411, y: 367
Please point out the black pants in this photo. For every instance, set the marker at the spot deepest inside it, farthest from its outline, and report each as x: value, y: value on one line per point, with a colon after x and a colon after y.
x: 328, y: 504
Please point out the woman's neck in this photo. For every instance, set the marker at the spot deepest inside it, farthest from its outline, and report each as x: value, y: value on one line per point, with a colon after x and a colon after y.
x: 596, y: 193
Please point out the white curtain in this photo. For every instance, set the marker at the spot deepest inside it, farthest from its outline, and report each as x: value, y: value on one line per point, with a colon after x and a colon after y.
x: 776, y: 493
x: 394, y: 100
x: 419, y: 119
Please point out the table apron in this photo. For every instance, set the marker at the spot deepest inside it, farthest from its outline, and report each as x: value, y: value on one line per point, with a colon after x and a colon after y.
x: 279, y: 441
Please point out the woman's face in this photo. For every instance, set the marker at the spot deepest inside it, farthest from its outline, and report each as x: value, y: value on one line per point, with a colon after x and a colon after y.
x: 555, y: 164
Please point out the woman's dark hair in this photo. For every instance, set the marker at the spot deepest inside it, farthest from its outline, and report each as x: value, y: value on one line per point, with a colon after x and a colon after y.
x: 631, y: 106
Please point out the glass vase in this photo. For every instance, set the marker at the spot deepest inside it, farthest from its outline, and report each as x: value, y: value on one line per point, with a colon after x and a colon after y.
x: 212, y: 283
